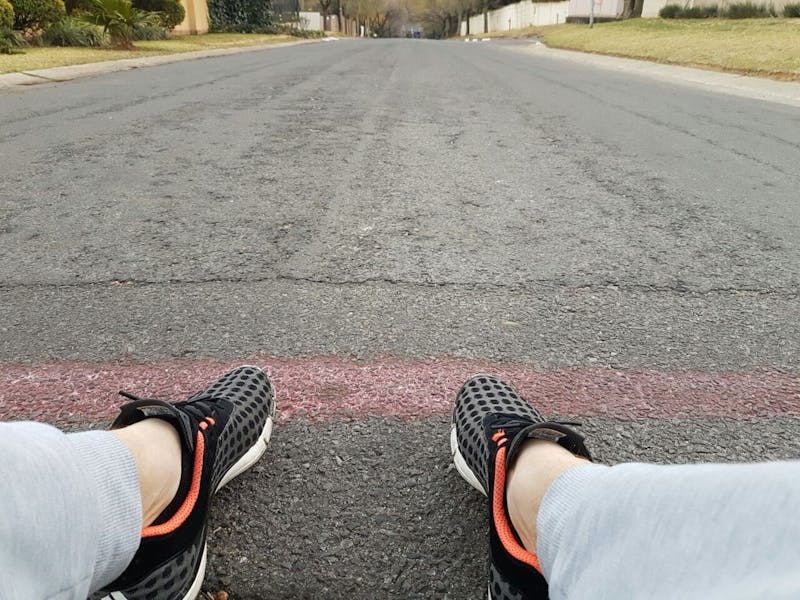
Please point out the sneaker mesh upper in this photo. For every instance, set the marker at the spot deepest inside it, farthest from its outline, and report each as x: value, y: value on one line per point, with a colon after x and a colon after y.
x: 479, y: 396
x: 252, y: 396
x: 500, y: 589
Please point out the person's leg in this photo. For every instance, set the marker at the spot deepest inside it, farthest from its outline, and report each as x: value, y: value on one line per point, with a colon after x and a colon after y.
x: 71, y: 511
x: 217, y: 434
x: 492, y: 425
x: 84, y: 511
x: 156, y: 448
x: 537, y: 466
x: 564, y: 528
x: 652, y: 531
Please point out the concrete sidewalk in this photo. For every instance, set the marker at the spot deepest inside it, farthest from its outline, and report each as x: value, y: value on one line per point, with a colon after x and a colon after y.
x: 69, y: 72
x: 756, y: 88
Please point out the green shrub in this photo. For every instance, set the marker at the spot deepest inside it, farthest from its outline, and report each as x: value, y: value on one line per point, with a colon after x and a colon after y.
x: 37, y: 15
x: 670, y: 11
x: 676, y: 11
x: 791, y: 11
x: 291, y: 29
x: 10, y: 41
x: 244, y: 16
x: 6, y: 15
x: 74, y: 6
x: 150, y: 32
x: 118, y: 18
x: 746, y: 10
x: 170, y: 12
x: 72, y: 32
x: 307, y: 33
x: 699, y: 12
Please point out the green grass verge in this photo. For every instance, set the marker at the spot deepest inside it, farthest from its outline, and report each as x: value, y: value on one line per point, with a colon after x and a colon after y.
x: 43, y: 58
x: 764, y: 47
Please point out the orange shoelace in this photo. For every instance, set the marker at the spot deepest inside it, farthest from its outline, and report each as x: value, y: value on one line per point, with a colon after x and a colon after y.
x: 501, y: 522
x: 194, y: 490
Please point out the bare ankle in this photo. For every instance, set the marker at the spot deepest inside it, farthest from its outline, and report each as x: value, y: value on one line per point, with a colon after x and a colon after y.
x: 156, y: 448
x: 537, y: 465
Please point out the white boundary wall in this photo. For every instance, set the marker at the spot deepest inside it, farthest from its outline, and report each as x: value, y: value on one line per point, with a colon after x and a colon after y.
x: 310, y: 21
x: 518, y: 16
x: 603, y: 9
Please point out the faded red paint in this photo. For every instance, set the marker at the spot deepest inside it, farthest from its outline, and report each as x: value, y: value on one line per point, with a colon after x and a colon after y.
x: 320, y: 387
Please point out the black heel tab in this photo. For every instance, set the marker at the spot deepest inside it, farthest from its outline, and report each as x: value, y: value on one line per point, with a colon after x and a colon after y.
x: 551, y: 431
x: 139, y: 410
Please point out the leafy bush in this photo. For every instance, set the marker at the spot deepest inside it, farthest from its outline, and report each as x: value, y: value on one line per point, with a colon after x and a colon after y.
x: 36, y: 15
x: 170, y: 12
x: 700, y: 12
x: 676, y: 11
x: 670, y: 11
x: 245, y: 16
x: 72, y: 32
x: 118, y: 18
x: 792, y: 11
x: 747, y: 10
x: 10, y: 41
x: 6, y: 15
x: 150, y: 32
x: 307, y: 33
x: 74, y: 6
x: 290, y: 29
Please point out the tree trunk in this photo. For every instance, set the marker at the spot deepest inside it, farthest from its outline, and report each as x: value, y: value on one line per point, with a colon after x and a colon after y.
x: 627, y: 11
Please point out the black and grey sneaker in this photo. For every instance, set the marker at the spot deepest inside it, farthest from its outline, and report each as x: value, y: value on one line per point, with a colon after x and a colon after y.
x: 490, y: 424
x: 224, y: 430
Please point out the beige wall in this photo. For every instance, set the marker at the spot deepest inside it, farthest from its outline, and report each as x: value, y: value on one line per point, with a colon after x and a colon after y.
x: 196, y: 20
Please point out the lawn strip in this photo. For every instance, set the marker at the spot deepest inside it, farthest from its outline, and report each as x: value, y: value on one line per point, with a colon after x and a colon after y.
x: 35, y: 58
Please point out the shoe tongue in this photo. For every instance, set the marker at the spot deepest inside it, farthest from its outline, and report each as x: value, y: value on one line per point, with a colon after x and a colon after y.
x: 138, y: 410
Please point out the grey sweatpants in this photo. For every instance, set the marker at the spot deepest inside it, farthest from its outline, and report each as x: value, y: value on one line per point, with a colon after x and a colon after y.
x: 70, y: 519
x: 673, y: 532
x: 70, y: 511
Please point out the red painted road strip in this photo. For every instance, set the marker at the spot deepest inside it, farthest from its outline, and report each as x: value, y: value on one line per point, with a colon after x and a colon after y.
x: 320, y: 387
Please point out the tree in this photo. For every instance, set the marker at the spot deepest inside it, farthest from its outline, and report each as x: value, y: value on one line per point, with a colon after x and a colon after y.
x: 33, y: 16
x: 324, y: 8
x: 6, y: 14
x: 442, y: 18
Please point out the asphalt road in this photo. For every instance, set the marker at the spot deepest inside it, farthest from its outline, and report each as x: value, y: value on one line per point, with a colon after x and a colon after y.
x: 411, y: 199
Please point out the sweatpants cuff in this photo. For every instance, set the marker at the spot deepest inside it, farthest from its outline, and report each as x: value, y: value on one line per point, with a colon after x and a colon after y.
x: 562, y: 499
x: 110, y: 466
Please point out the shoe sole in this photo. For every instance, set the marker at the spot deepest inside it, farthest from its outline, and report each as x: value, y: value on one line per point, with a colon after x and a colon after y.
x: 194, y: 590
x: 250, y: 457
x: 247, y: 460
x: 256, y: 451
